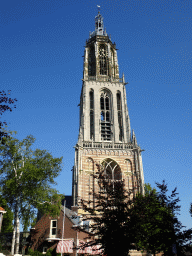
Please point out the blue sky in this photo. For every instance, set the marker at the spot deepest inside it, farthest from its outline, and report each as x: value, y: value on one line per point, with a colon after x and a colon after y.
x: 41, y: 46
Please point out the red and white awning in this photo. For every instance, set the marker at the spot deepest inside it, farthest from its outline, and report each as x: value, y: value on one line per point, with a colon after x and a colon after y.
x: 96, y: 250
x: 65, y: 246
x: 87, y: 250
x: 92, y: 250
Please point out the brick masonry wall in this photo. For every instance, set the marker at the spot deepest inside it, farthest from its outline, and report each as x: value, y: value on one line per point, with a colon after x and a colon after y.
x: 41, y: 231
x: 87, y: 167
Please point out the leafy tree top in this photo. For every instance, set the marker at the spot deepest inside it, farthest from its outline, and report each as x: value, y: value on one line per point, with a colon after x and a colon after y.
x: 27, y: 176
x: 5, y: 102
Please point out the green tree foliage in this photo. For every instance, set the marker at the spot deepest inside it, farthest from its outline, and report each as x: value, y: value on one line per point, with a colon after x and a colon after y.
x: 152, y: 233
x: 34, y: 253
x: 108, y: 216
x: 180, y: 237
x: 5, y: 102
x: 7, y: 225
x: 38, y: 253
x: 149, y: 221
x: 49, y: 252
x: 190, y: 209
x: 148, y: 189
x: 156, y: 224
x: 26, y: 177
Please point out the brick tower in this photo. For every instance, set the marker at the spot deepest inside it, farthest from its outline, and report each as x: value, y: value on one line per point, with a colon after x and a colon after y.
x: 104, y: 134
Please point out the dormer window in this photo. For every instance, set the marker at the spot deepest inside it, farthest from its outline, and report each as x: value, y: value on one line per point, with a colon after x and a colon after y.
x: 53, y: 228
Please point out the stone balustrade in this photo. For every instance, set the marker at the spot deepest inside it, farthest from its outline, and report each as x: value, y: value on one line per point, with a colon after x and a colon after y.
x: 109, y: 145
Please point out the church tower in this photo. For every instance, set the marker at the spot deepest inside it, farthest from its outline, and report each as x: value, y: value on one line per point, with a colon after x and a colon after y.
x: 105, y: 136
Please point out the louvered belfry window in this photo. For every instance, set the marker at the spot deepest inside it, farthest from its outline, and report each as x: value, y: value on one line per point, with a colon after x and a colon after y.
x: 103, y: 60
x: 91, y: 96
x: 105, y: 108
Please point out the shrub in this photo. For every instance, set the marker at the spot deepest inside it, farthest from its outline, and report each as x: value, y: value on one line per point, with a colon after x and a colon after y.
x: 30, y: 251
x: 49, y: 252
x: 34, y: 253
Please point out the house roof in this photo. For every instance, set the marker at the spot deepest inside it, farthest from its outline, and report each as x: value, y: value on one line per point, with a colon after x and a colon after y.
x: 76, y: 220
x: 72, y: 216
x: 2, y: 210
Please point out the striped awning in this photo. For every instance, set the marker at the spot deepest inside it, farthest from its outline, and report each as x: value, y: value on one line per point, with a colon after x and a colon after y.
x: 65, y: 246
x: 87, y: 250
x: 92, y: 250
x: 96, y: 250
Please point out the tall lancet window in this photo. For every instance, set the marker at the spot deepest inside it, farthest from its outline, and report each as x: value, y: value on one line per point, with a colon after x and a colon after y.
x: 112, y: 63
x: 119, y: 113
x: 103, y: 60
x: 105, y: 107
x: 91, y: 97
x: 91, y: 61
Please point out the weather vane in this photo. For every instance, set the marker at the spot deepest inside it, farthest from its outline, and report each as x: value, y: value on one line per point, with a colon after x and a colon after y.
x: 98, y: 7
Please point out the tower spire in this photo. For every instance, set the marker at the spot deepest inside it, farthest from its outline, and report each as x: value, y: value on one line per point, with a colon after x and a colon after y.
x: 99, y: 25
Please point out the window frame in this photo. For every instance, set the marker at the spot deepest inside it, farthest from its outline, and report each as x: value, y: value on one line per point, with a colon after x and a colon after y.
x: 119, y: 115
x: 51, y: 229
x: 103, y: 60
x: 106, y: 115
x: 45, y: 248
x: 91, y: 114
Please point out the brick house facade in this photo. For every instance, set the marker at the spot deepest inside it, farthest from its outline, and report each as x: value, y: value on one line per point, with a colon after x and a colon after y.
x: 47, y: 232
x: 46, y: 235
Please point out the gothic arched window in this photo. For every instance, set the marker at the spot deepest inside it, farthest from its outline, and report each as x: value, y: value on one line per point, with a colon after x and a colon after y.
x: 119, y: 113
x: 103, y: 60
x: 91, y: 61
x: 112, y: 169
x: 105, y: 108
x: 111, y: 172
x: 91, y: 98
